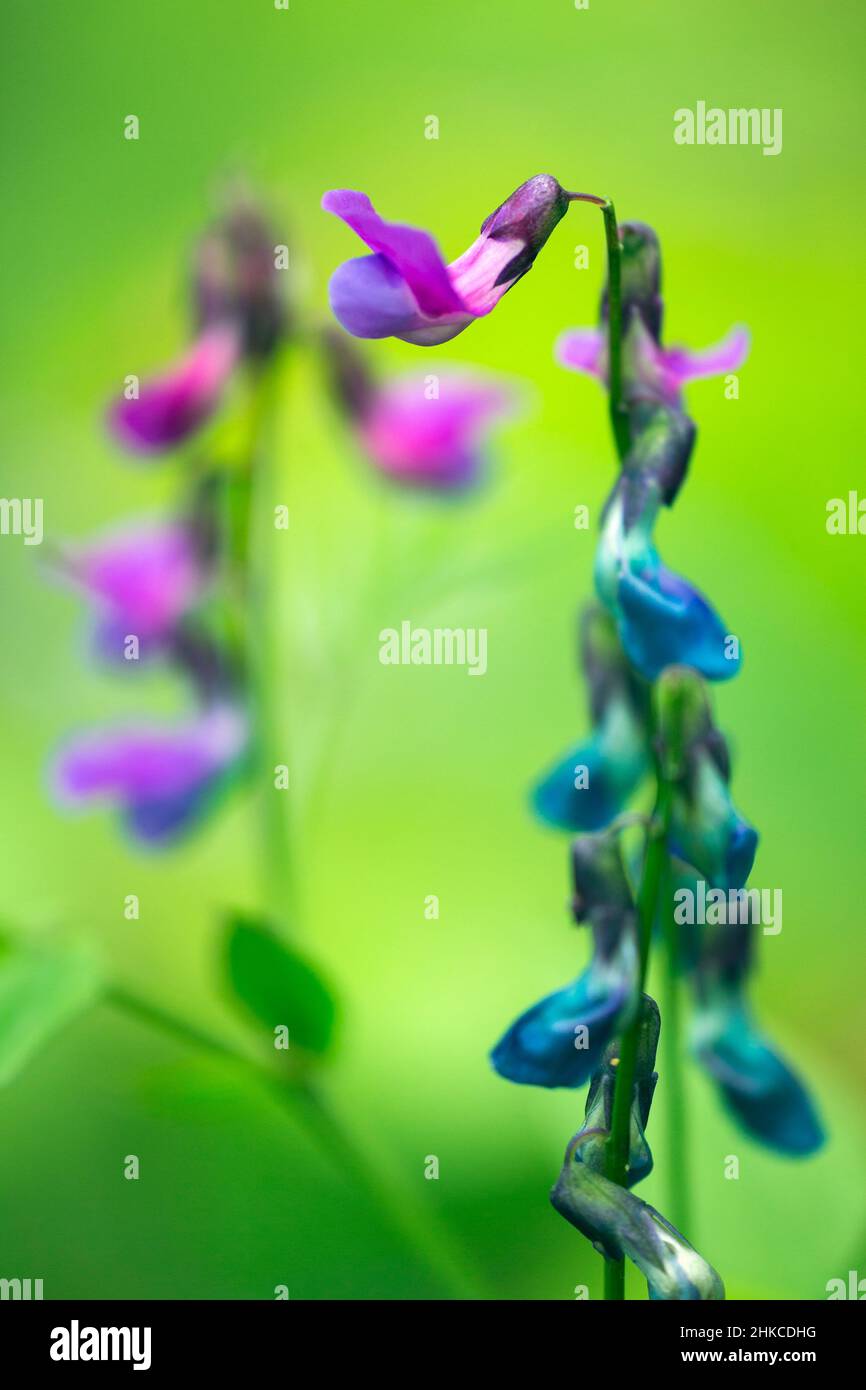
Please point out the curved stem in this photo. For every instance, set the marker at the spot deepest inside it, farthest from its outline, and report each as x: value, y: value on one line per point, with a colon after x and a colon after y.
x: 307, y: 1103
x: 617, y: 1151
x: 618, y: 416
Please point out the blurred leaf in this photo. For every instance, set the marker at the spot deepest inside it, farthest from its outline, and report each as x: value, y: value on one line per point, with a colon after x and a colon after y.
x: 41, y: 990
x: 278, y: 986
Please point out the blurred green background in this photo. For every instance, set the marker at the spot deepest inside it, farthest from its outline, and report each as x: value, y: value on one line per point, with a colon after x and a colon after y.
x: 424, y: 772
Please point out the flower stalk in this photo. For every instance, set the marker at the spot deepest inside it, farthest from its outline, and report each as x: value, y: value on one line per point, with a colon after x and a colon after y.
x: 618, y: 417
x: 261, y: 598
x: 654, y: 871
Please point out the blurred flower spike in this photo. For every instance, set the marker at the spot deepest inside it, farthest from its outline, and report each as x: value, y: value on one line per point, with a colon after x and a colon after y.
x: 426, y: 432
x: 405, y: 289
x: 239, y: 317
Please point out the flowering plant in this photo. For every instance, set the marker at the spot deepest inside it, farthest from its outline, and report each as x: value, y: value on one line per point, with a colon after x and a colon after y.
x: 648, y: 646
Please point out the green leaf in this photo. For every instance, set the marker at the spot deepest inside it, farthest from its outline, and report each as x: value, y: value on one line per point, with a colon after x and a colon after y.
x: 278, y: 986
x: 41, y: 990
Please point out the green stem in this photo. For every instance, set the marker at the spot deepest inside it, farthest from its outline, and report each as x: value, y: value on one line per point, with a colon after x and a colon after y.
x: 617, y: 1151
x: 617, y: 1148
x: 307, y: 1103
x: 678, y: 1206
x: 618, y: 415
x: 281, y: 884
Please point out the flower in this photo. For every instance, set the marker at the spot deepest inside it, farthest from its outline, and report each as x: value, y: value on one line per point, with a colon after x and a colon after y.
x: 425, y: 431
x: 707, y: 831
x: 651, y: 372
x: 240, y: 316
x: 170, y: 407
x: 587, y: 788
x: 662, y: 619
x: 162, y: 777
x: 142, y: 580
x: 758, y: 1087
x: 662, y: 371
x: 431, y: 442
x: 560, y: 1040
x: 406, y: 290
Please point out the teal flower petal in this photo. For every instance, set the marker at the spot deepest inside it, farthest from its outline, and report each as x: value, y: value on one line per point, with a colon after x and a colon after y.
x: 757, y: 1085
x: 560, y: 1040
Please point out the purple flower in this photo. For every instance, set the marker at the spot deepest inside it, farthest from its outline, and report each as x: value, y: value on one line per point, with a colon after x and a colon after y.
x: 170, y: 407
x: 406, y: 290
x: 434, y: 442
x: 161, y: 777
x: 662, y: 371
x: 411, y: 434
x: 141, y: 580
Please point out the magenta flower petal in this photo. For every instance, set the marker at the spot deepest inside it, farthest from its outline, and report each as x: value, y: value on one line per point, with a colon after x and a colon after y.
x: 405, y: 289
x: 141, y: 580
x: 583, y: 350
x: 157, y: 775
x: 413, y: 253
x: 172, y: 406
x: 431, y: 442
x: 680, y: 365
x: 662, y: 371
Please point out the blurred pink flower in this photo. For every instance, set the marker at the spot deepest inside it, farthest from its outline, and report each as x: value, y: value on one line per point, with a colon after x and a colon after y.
x: 433, y: 441
x: 141, y: 580
x: 170, y: 407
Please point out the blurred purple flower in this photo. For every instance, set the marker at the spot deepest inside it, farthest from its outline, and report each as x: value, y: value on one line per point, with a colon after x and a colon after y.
x: 141, y: 580
x: 421, y: 431
x: 663, y: 371
x: 406, y: 290
x: 431, y: 442
x: 161, y: 777
x: 170, y: 407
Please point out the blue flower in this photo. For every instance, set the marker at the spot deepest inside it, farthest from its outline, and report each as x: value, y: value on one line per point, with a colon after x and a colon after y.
x: 662, y: 620
x: 757, y: 1085
x: 589, y: 787
x: 707, y: 831
x: 560, y: 1041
